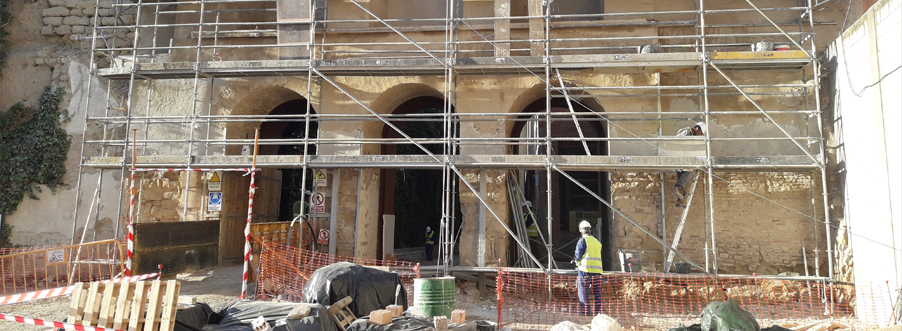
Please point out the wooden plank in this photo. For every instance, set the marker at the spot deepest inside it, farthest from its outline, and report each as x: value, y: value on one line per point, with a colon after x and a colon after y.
x: 92, y: 305
x: 136, y: 318
x: 108, y: 306
x: 77, y: 304
x: 123, y: 306
x: 154, y: 304
x: 233, y: 216
x: 167, y: 320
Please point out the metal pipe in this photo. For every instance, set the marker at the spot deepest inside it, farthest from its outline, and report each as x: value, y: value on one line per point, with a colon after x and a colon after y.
x: 709, y: 160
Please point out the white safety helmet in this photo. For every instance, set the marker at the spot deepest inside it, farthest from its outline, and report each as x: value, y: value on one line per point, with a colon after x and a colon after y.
x: 527, y: 204
x: 428, y: 229
x: 703, y: 126
x: 585, y: 225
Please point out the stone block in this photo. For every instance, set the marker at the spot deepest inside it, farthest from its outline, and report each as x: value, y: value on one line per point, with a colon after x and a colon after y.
x: 56, y: 3
x: 63, y: 30
x: 104, y: 12
x: 71, y: 3
x: 55, y: 11
x: 128, y: 19
x: 80, y: 29
x: 106, y: 4
x: 85, y: 5
x: 441, y: 323
x: 380, y: 317
x: 47, y: 30
x: 458, y: 316
x: 76, y: 12
x: 108, y: 21
x: 75, y: 20
x: 396, y: 310
x: 54, y: 21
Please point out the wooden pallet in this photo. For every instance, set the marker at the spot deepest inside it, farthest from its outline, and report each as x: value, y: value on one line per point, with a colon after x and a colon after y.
x: 341, y: 312
x: 138, y: 306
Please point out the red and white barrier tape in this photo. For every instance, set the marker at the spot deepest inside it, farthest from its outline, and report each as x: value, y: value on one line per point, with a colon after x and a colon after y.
x: 247, y: 235
x: 60, y: 291
x: 58, y: 325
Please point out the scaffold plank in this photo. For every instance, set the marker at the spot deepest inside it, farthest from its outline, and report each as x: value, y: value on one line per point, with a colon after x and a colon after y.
x: 567, y: 162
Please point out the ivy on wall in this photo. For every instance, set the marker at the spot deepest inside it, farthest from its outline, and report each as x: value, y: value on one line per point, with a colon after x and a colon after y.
x: 33, y: 149
x: 5, y: 17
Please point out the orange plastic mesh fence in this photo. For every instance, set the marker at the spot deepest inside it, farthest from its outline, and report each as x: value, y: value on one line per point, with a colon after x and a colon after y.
x: 53, y: 267
x: 285, y: 270
x: 646, y: 300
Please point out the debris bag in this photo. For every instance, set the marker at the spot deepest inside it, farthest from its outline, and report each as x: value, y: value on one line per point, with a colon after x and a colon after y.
x: 603, y: 322
x: 776, y: 328
x: 369, y: 288
x: 727, y: 316
x: 405, y: 323
x: 568, y: 326
x: 238, y: 317
x: 195, y: 316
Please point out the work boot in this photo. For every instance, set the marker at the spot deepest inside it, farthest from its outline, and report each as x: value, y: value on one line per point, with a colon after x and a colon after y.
x: 679, y: 203
x: 678, y: 192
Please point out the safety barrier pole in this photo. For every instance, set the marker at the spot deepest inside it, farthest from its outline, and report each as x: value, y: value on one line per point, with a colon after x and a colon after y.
x: 250, y: 213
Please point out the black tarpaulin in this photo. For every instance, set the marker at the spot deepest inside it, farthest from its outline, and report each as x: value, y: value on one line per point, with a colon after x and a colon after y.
x: 238, y: 317
x: 369, y: 288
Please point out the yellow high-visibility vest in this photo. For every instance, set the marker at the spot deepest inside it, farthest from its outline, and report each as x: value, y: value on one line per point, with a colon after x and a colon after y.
x: 591, y: 260
x: 533, y: 230
x: 429, y: 240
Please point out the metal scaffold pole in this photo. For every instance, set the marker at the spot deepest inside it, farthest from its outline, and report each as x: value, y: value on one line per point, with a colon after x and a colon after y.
x: 709, y: 160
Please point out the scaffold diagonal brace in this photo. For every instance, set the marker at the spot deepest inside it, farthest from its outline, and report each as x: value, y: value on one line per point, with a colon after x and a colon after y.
x: 399, y: 33
x: 749, y: 98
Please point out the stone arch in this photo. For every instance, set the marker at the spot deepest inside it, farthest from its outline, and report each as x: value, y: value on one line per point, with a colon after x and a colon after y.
x: 253, y: 101
x: 390, y: 100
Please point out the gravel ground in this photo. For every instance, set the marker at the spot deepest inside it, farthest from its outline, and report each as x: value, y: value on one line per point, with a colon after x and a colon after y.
x: 54, y: 309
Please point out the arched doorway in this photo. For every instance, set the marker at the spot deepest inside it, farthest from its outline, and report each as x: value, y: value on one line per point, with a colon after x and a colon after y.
x: 276, y: 188
x: 570, y: 203
x: 413, y: 195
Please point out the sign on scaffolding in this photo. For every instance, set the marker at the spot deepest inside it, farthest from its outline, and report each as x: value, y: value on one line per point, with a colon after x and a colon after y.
x: 323, y: 237
x: 214, y: 201
x: 319, y: 203
x: 215, y: 183
x: 319, y: 178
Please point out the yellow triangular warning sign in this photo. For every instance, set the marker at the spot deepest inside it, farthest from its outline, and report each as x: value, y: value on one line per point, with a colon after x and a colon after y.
x: 320, y: 175
x: 215, y: 178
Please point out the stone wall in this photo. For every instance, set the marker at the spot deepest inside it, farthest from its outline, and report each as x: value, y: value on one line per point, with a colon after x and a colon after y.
x: 761, y: 220
x: 75, y: 18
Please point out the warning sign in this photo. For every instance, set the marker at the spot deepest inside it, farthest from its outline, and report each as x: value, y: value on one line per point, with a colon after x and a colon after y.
x: 323, y: 237
x: 214, y: 203
x: 57, y: 256
x: 319, y: 203
x: 319, y: 178
x: 215, y: 183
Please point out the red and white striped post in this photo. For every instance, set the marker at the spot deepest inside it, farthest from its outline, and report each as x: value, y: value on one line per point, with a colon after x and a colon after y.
x: 250, y: 214
x: 130, y: 236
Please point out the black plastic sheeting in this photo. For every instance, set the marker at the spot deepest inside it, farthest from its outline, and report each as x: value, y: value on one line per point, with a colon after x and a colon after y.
x: 370, y: 289
x: 405, y: 323
x: 195, y: 316
x: 238, y: 317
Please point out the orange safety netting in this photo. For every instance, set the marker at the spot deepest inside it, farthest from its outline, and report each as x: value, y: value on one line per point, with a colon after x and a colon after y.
x: 284, y: 270
x: 657, y: 300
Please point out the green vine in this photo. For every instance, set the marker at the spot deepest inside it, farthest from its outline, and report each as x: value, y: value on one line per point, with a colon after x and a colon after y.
x: 33, y: 149
x: 5, y: 18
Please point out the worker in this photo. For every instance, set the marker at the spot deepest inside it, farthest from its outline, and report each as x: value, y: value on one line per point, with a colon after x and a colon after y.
x: 532, y: 227
x: 678, y: 189
x: 430, y: 243
x: 589, y: 266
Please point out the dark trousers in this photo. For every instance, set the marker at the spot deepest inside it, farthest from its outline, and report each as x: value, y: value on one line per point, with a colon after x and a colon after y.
x: 682, y: 178
x: 429, y: 252
x: 587, y: 305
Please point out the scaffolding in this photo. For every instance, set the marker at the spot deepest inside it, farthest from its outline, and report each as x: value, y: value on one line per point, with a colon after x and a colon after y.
x: 227, y: 39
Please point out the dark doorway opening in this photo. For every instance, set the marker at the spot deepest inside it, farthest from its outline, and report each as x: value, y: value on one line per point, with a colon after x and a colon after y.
x: 291, y: 178
x: 570, y: 203
x: 415, y: 196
